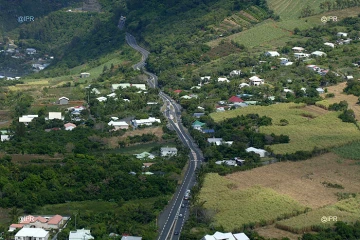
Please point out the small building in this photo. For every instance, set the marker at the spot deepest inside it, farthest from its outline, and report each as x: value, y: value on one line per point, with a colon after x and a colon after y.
x: 341, y: 34
x: 125, y: 237
x: 223, y: 79
x: 226, y: 236
x: 208, y: 131
x: 147, y: 164
x: 5, y: 137
x: 27, y: 118
x: 55, y: 115
x: 145, y: 122
x: 112, y: 95
x: 63, y: 101
x: 69, y: 126
x: 80, y: 234
x: 95, y: 91
x: 298, y: 49
x: 256, y: 81
x: 320, y: 90
x: 301, y: 55
x: 177, y: 91
x: 101, y: 99
x: 126, y: 85
x: 216, y: 141
x: 30, y: 51
x: 260, y: 152
x: 332, y: 45
x: 32, y: 233
x: 241, y: 85
x: 145, y: 155
x: 350, y: 77
x: 235, y: 99
x: 168, y: 151
x: 272, y: 54
x: 118, y: 125
x: 84, y: 75
x: 234, y: 73
x: 205, y: 78
x: 318, y: 54
x: 198, y: 125
x: 198, y: 115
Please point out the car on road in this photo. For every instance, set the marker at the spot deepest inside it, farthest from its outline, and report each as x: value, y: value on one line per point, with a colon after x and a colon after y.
x: 182, y: 205
x: 176, y: 233
x: 180, y: 215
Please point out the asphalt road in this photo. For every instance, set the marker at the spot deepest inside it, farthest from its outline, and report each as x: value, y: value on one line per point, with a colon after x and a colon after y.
x: 172, y: 219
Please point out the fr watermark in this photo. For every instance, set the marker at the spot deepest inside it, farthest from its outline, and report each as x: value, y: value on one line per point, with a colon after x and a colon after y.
x: 26, y: 219
x: 325, y: 19
x: 22, y: 19
x: 325, y: 219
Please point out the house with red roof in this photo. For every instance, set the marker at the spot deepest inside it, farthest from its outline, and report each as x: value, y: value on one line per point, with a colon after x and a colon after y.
x: 235, y: 99
x: 177, y: 91
x: 45, y: 222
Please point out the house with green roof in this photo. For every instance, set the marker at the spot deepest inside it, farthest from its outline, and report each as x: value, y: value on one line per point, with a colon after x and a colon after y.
x: 198, y: 125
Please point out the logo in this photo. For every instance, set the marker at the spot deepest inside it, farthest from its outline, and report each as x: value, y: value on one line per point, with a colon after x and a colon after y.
x: 325, y: 219
x: 325, y: 19
x: 22, y: 19
x: 26, y: 219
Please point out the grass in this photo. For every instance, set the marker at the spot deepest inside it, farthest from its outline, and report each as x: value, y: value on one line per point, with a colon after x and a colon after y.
x: 234, y: 207
x: 350, y: 151
x: 322, y: 130
x: 346, y: 211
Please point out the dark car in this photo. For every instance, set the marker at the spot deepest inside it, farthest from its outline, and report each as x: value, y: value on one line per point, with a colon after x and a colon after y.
x: 176, y: 233
x: 182, y: 205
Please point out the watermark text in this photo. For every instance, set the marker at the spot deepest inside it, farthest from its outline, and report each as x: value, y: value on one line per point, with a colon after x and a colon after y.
x: 325, y: 19
x: 325, y: 219
x: 22, y: 19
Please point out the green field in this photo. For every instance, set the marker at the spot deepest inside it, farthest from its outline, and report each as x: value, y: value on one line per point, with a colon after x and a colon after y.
x: 233, y: 207
x: 350, y: 151
x: 290, y: 9
x: 346, y: 211
x: 322, y: 131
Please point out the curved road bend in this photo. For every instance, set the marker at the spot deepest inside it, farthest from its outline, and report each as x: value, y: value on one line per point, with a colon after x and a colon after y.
x: 169, y: 221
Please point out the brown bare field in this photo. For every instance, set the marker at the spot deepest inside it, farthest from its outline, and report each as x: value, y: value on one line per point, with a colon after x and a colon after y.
x: 302, y: 180
x: 271, y: 231
x: 113, y: 142
x: 340, y: 96
x: 315, y: 109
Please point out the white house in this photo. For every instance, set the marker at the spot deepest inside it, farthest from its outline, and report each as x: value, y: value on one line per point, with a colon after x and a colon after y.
x: 130, y: 237
x: 318, y: 54
x: 63, y: 100
x: 298, y: 49
x: 101, y: 99
x: 320, y: 90
x: 256, y: 81
x: 216, y: 141
x: 205, y: 78
x: 80, y: 234
x: 223, y: 79
x: 126, y: 85
x: 258, y: 151
x: 241, y: 85
x: 226, y: 236
x: 342, y: 34
x: 27, y: 118
x: 113, y: 95
x: 84, y: 75
x: 95, y: 91
x: 350, y: 77
x: 118, y: 125
x: 168, y: 151
x: 301, y: 55
x: 55, y: 115
x: 235, y: 73
x: 32, y: 233
x: 329, y: 44
x: 272, y: 54
x: 30, y: 51
x: 146, y: 122
x: 144, y: 155
x: 5, y: 137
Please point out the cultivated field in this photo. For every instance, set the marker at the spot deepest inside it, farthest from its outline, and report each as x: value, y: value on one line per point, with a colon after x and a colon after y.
x: 234, y: 207
x: 302, y: 180
x: 306, y: 129
x: 287, y: 185
x: 309, y: 221
x: 349, y: 151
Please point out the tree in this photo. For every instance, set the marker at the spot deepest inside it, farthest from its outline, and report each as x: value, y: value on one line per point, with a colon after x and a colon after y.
x: 306, y: 11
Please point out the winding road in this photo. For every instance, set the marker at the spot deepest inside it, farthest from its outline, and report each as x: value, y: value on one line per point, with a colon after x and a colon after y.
x: 172, y: 219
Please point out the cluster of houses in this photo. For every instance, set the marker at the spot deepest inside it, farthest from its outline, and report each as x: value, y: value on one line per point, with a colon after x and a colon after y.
x: 114, y: 87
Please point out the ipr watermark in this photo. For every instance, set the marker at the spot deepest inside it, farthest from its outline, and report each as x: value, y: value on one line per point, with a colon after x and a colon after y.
x: 26, y: 219
x: 325, y: 19
x: 22, y: 19
x: 325, y: 219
